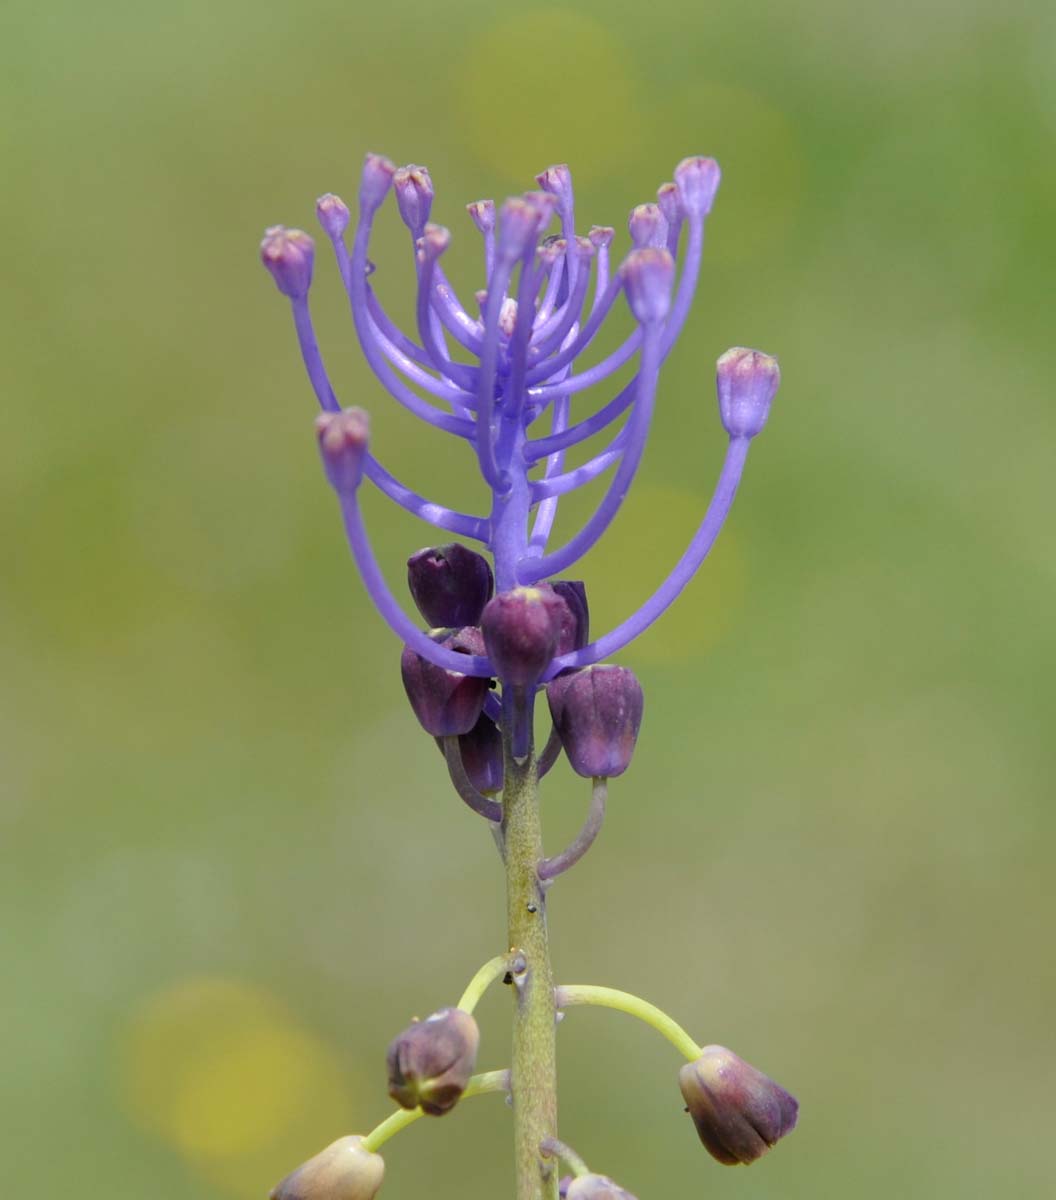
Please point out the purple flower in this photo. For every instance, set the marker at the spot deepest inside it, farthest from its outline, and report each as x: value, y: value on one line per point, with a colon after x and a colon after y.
x: 431, y: 1061
x: 499, y: 379
x: 739, y: 1112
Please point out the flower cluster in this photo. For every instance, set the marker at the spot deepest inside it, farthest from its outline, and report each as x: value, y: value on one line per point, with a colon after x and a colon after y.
x: 500, y: 633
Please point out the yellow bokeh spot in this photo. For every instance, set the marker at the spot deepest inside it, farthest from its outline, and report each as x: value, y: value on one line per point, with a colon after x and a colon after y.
x: 658, y: 521
x: 548, y: 85
x: 222, y: 1072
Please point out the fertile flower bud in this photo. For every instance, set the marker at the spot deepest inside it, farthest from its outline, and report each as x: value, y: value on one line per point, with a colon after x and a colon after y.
x: 521, y: 629
x: 596, y: 1187
x: 414, y: 196
x: 697, y: 180
x: 739, y: 1112
x: 375, y: 182
x: 648, y: 226
x: 343, y: 1171
x: 343, y: 438
x: 647, y: 278
x: 481, y: 751
x: 333, y: 215
x: 288, y: 254
x: 575, y: 632
x: 482, y: 213
x: 747, y: 382
x: 445, y: 702
x: 597, y: 713
x: 431, y: 1062
x: 450, y: 584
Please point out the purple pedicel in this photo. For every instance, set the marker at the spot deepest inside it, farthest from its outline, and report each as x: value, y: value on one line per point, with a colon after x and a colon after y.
x: 540, y: 313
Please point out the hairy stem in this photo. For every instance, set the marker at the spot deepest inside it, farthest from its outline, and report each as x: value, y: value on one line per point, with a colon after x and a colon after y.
x: 533, y: 1074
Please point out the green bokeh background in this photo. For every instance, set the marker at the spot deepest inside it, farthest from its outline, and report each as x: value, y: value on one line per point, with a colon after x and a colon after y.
x: 231, y: 866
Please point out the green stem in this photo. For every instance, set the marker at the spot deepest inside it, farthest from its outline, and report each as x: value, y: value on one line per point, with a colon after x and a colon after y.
x: 493, y: 969
x: 479, y: 1085
x: 570, y: 994
x: 534, y: 1069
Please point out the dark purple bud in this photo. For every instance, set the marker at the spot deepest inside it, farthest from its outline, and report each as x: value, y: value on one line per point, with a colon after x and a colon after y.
x: 522, y: 628
x: 597, y: 713
x: 445, y: 702
x: 596, y: 1187
x: 450, y: 584
x: 747, y: 381
x: 482, y: 213
x: 648, y: 226
x: 431, y: 1062
x: 343, y: 438
x: 575, y: 632
x: 601, y: 235
x: 563, y: 1184
x: 375, y: 182
x: 414, y: 196
x: 345, y: 1170
x: 333, y: 215
x: 647, y: 277
x: 697, y: 180
x: 481, y: 751
x: 288, y: 254
x: 739, y: 1112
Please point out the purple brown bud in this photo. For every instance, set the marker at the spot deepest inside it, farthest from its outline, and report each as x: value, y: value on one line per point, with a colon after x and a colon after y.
x: 450, y: 584
x: 445, y: 702
x: 345, y: 1170
x: 431, y: 1062
x: 647, y: 278
x: 343, y: 438
x: 596, y: 1187
x: 522, y: 629
x: 414, y: 196
x: 288, y: 255
x: 739, y: 1112
x: 597, y: 713
x: 747, y: 381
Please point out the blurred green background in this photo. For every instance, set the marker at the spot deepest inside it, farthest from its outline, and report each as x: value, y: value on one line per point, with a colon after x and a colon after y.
x: 232, y: 867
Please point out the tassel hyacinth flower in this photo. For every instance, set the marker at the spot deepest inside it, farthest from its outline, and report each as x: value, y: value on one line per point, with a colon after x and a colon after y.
x: 498, y: 633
